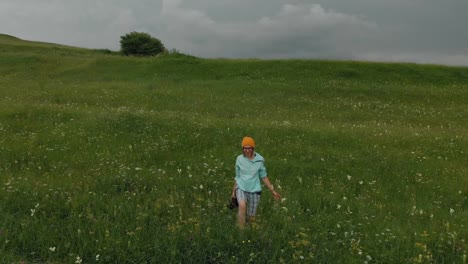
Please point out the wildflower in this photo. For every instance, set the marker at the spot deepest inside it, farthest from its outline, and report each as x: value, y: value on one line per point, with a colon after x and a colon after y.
x: 34, y: 209
x: 338, y: 206
x: 349, y: 177
x: 452, y: 211
x: 97, y: 257
x: 421, y: 245
x: 78, y: 260
x: 201, y: 187
x: 52, y: 249
x: 424, y: 234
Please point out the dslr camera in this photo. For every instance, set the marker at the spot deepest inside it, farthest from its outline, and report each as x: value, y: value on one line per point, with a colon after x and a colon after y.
x: 233, y: 203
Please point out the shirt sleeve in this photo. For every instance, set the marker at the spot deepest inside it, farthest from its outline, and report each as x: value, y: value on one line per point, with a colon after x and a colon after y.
x: 237, y: 168
x: 262, y: 172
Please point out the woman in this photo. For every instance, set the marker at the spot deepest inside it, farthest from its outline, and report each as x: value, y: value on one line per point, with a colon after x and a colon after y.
x: 250, y: 168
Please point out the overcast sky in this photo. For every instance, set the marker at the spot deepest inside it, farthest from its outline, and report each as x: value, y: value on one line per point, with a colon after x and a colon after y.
x: 422, y: 31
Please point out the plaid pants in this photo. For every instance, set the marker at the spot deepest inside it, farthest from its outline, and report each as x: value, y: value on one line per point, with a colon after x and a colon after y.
x: 252, y: 200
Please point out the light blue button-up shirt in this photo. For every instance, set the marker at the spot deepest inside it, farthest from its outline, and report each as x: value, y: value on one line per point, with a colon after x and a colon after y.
x: 249, y: 172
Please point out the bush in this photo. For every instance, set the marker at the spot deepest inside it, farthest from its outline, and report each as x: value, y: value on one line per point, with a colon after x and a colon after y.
x: 105, y: 51
x: 140, y: 44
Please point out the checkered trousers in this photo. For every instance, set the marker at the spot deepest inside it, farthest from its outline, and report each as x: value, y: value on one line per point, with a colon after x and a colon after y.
x: 252, y: 200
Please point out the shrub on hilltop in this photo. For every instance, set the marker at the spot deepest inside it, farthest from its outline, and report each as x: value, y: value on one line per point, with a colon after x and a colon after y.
x: 140, y: 44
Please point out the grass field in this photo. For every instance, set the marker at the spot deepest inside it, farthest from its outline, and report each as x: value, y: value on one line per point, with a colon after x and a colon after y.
x: 111, y: 159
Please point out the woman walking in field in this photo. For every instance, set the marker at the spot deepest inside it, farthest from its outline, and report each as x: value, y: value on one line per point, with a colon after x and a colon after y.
x: 250, y: 168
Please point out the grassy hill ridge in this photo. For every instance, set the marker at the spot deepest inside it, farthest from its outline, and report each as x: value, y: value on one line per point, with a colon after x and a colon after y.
x: 253, y: 68
x: 113, y: 159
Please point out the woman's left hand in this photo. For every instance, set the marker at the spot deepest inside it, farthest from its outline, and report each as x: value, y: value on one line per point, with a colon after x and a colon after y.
x: 276, y: 195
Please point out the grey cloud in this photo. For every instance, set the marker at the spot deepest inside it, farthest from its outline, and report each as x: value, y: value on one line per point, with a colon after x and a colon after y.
x: 296, y: 30
x: 91, y: 24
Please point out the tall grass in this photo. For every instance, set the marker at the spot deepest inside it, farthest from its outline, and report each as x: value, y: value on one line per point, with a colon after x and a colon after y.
x: 110, y: 159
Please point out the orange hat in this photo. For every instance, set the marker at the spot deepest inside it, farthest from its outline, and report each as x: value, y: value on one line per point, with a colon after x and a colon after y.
x: 248, y: 141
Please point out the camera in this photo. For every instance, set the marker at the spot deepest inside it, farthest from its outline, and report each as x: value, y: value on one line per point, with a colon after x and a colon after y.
x: 233, y: 203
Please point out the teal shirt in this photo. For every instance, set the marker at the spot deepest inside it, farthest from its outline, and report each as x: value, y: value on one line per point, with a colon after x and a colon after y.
x: 249, y: 172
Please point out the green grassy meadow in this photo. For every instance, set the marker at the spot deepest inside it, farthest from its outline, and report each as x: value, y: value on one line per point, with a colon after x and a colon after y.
x: 112, y: 159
